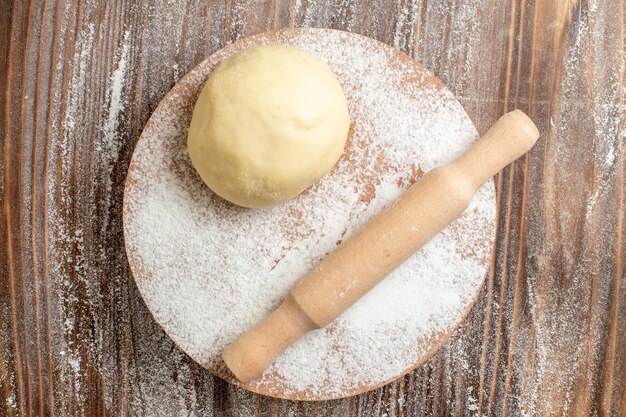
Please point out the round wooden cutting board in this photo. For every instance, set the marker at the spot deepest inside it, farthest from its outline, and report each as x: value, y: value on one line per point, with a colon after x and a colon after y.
x: 209, y: 270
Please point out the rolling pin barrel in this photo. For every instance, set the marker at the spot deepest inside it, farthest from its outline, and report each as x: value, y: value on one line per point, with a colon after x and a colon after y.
x: 363, y: 260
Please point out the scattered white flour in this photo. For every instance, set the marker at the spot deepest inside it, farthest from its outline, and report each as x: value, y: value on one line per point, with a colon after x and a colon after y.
x: 110, y: 145
x: 208, y: 271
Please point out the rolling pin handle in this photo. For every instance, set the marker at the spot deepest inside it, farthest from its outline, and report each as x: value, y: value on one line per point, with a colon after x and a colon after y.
x: 510, y: 137
x: 256, y: 349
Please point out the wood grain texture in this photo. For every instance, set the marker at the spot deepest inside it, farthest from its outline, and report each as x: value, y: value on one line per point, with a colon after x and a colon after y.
x: 79, y: 79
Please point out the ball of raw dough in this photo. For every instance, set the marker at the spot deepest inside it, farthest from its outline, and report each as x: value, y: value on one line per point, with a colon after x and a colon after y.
x: 270, y: 121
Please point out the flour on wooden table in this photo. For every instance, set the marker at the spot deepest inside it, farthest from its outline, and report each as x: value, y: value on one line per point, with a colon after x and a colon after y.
x: 209, y: 270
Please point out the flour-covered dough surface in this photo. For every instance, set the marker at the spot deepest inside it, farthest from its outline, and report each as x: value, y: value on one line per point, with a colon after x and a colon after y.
x: 270, y: 121
x: 209, y: 270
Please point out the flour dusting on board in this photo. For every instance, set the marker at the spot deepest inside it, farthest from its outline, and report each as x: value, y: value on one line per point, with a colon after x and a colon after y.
x: 209, y: 270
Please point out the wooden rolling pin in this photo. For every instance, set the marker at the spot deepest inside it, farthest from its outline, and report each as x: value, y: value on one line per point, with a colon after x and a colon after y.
x: 362, y: 261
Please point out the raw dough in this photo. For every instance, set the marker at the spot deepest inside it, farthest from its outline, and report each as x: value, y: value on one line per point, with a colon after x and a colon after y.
x: 270, y: 121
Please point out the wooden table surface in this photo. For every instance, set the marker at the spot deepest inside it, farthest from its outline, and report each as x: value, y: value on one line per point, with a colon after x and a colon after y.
x: 79, y: 79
